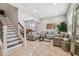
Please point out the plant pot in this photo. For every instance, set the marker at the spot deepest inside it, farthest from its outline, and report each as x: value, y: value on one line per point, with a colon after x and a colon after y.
x: 77, y: 48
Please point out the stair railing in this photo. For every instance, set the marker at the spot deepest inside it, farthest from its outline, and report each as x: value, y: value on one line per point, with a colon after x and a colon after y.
x: 22, y: 34
x: 4, y: 37
x: 21, y: 30
x: 5, y: 40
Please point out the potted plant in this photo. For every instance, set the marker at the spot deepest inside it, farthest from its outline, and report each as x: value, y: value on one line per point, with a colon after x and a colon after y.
x: 62, y: 27
x: 77, y: 48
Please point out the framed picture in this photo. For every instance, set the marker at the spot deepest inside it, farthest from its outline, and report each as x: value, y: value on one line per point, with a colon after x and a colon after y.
x: 51, y: 26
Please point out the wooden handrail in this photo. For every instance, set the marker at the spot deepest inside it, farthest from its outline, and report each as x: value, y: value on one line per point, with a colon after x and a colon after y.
x: 21, y: 25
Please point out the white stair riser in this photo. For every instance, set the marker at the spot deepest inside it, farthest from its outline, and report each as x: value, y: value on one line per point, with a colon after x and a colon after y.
x: 12, y: 39
x: 10, y: 25
x: 14, y: 47
x: 11, y: 30
x: 12, y: 35
x: 11, y: 43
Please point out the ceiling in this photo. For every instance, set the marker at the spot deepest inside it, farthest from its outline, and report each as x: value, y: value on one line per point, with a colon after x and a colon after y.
x: 44, y: 10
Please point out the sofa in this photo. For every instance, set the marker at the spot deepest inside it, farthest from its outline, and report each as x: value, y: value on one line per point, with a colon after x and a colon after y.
x: 62, y: 40
x: 50, y: 34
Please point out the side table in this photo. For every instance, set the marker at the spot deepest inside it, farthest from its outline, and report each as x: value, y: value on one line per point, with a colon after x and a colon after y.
x: 66, y: 45
x: 41, y: 38
x: 57, y: 41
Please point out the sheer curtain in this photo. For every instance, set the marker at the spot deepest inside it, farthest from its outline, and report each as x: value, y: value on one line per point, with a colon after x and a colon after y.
x: 70, y: 24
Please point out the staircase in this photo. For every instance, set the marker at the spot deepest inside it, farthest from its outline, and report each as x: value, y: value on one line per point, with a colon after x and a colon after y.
x: 12, y: 38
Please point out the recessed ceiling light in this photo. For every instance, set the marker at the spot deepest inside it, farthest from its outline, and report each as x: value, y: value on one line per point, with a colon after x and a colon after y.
x: 54, y: 4
x: 56, y: 13
x: 34, y: 10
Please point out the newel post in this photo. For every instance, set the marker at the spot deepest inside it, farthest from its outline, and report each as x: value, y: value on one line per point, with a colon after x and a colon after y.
x: 4, y: 41
x: 25, y: 39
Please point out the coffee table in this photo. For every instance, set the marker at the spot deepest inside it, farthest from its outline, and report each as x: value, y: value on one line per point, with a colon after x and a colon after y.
x: 41, y: 38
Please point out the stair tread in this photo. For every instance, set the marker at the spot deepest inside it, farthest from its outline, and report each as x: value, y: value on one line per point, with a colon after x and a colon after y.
x: 10, y: 27
x: 12, y: 37
x: 12, y: 30
x: 14, y: 44
x: 12, y: 33
x: 13, y: 40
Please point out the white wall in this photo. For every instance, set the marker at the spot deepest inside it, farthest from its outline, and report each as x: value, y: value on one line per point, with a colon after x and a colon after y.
x: 11, y: 12
x: 56, y: 20
x: 34, y: 27
x: 24, y: 16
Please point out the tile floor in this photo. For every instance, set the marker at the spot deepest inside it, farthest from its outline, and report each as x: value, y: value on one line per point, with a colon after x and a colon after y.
x: 0, y: 52
x: 36, y: 48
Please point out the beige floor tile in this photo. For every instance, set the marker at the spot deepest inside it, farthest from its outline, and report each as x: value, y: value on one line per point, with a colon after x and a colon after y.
x: 0, y: 52
x: 36, y: 48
